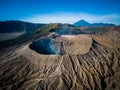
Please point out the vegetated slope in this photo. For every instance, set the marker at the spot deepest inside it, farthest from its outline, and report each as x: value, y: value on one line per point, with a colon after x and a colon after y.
x: 96, y: 69
x: 28, y: 36
x: 66, y: 29
x: 17, y: 26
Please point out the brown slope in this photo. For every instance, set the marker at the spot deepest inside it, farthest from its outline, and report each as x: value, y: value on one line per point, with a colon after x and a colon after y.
x: 96, y: 69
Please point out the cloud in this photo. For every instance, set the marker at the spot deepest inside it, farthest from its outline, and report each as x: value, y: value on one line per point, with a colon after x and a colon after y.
x: 73, y: 17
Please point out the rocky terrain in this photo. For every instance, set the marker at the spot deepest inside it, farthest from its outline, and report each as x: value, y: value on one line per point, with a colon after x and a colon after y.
x: 70, y: 62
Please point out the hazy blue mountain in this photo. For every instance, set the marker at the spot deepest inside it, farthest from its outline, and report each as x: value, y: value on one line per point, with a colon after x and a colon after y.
x: 102, y: 24
x: 81, y: 23
x: 85, y: 23
x: 17, y: 26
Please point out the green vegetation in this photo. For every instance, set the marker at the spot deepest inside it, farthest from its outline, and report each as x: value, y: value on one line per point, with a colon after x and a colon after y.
x: 29, y: 36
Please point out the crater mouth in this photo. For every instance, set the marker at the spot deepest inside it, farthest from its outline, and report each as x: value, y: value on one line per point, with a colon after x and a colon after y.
x: 44, y: 46
x: 61, y: 45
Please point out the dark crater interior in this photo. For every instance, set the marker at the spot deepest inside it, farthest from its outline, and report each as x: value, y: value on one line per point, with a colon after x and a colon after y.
x: 43, y: 46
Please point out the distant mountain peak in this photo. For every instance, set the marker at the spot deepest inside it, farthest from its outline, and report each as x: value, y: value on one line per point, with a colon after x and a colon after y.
x: 81, y: 22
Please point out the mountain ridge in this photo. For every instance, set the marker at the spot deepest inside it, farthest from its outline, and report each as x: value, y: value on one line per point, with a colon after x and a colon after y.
x: 85, y: 23
x: 17, y: 26
x: 20, y: 26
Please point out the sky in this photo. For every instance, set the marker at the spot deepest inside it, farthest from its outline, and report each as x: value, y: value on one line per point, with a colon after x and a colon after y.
x: 61, y: 11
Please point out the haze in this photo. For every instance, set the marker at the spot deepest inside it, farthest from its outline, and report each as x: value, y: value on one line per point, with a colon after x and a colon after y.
x: 60, y: 11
